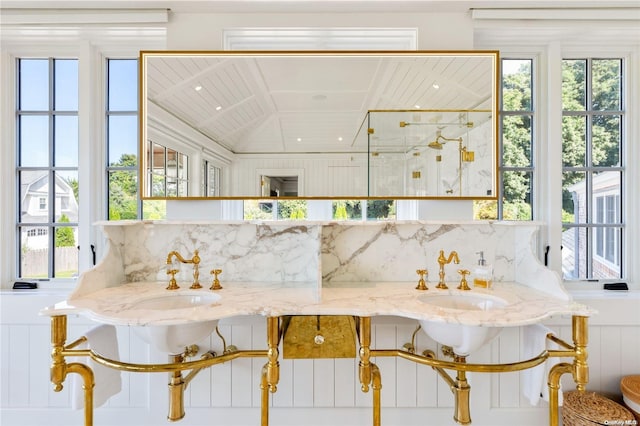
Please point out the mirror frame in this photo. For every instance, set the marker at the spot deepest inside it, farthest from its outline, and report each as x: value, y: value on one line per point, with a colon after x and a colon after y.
x: 142, y: 90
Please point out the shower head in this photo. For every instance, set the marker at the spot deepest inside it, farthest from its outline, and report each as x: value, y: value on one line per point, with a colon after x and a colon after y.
x: 436, y: 144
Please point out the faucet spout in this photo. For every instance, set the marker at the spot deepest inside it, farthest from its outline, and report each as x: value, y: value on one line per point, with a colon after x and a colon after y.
x: 442, y: 260
x: 171, y: 270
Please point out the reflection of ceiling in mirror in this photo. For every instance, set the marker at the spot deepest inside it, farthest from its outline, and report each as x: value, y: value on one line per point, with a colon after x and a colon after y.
x: 305, y: 103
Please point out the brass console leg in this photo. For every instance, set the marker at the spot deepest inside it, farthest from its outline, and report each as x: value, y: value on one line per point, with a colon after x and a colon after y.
x: 264, y: 398
x: 580, y: 340
x: 376, y: 386
x: 554, y: 385
x: 579, y: 369
x: 364, y: 335
x: 60, y: 368
x: 273, y: 366
x: 176, y: 392
x: 461, y: 391
x: 271, y: 370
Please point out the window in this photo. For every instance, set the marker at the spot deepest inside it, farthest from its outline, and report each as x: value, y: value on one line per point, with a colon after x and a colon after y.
x: 593, y: 229
x: 169, y: 171
x: 210, y: 179
x: 47, y: 167
x: 271, y: 209
x: 121, y: 115
x: 359, y: 209
x: 516, y: 145
x: 122, y: 140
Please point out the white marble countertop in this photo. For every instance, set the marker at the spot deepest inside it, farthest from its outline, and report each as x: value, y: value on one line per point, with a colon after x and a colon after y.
x: 116, y: 305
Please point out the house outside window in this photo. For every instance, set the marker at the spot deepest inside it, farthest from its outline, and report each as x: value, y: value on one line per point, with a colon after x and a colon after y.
x: 47, y: 167
x: 593, y: 174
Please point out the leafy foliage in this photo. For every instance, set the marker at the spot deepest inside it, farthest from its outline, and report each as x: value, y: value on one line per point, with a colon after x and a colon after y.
x: 64, y: 234
x: 123, y: 189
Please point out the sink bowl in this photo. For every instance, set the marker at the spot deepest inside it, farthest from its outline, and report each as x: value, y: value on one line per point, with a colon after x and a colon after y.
x: 180, y: 301
x: 174, y: 338
x: 464, y: 339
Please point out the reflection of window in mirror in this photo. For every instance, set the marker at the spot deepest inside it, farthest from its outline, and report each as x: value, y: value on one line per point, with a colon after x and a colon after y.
x: 359, y: 209
x: 275, y: 209
x: 210, y: 180
x: 168, y: 171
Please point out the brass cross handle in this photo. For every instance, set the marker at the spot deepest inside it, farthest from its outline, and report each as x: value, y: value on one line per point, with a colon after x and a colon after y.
x: 173, y: 284
x: 463, y: 281
x: 422, y: 284
x: 216, y: 282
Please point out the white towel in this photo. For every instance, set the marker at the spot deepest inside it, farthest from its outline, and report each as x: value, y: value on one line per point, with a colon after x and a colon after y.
x: 102, y: 340
x: 534, y: 380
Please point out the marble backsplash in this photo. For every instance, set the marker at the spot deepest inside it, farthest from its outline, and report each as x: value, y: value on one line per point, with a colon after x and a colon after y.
x: 317, y: 252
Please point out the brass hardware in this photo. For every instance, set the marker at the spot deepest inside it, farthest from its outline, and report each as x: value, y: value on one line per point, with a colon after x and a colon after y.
x: 467, y: 156
x: 368, y: 373
x: 319, y: 336
x: 464, y: 285
x: 273, y: 365
x: 411, y: 346
x: 422, y: 284
x: 370, y: 131
x: 195, y: 260
x: 196, y: 271
x: 403, y: 124
x: 415, y: 174
x: 190, y: 351
x: 416, y: 154
x: 176, y: 392
x: 447, y: 351
x: 225, y: 349
x: 442, y: 260
x: 173, y: 284
x: 459, y: 387
x: 375, y: 153
x: 436, y: 144
x: 216, y: 282
x: 438, y: 158
x: 364, y: 365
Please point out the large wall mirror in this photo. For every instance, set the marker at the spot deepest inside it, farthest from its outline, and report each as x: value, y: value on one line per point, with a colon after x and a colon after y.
x: 337, y: 125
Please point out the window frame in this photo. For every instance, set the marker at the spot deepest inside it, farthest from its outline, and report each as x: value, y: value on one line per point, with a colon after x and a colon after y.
x: 108, y: 113
x: 590, y: 225
x: 51, y: 168
x: 532, y: 114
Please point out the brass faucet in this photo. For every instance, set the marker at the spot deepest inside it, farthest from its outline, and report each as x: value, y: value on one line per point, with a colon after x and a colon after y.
x: 195, y: 260
x: 444, y: 261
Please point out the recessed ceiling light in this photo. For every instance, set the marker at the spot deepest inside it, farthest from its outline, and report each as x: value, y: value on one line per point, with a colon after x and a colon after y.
x: 340, y: 138
x: 218, y: 108
x: 416, y: 106
x: 299, y: 139
x: 198, y: 88
x: 436, y: 86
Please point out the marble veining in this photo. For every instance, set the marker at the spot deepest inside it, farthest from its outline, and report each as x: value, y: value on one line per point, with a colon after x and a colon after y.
x: 314, y: 268
x: 116, y: 305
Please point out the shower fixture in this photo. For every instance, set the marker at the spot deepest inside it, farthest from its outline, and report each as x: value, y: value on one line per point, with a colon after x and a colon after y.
x: 440, y: 140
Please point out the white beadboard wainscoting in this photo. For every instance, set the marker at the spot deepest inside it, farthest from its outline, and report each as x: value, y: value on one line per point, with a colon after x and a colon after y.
x: 310, y: 392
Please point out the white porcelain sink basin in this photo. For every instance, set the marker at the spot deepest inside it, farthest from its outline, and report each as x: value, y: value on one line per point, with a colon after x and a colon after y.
x: 174, y: 338
x: 464, y: 339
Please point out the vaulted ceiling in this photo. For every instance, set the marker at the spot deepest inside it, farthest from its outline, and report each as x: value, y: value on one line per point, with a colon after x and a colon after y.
x: 309, y: 103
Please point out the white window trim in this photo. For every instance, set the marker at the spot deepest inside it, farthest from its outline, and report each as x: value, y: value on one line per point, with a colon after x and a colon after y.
x: 548, y: 55
x: 91, y: 46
